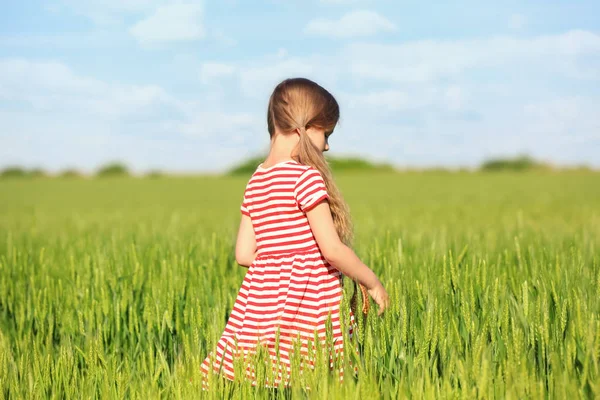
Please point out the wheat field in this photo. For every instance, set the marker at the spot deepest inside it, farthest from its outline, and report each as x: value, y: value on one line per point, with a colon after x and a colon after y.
x: 119, y: 287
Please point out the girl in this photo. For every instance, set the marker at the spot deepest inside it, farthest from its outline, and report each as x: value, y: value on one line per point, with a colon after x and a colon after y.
x: 293, y: 238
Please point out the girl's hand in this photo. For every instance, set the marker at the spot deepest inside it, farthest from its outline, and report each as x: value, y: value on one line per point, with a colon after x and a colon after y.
x: 381, y: 297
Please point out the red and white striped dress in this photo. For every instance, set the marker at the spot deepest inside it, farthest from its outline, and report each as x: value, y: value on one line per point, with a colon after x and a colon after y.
x: 289, y: 285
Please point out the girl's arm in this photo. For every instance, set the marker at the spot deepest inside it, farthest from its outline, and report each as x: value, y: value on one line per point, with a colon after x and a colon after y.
x: 335, y: 252
x: 245, y: 247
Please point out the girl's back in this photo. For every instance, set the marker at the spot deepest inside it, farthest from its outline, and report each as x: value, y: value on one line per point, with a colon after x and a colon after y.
x: 292, y: 237
x: 276, y: 199
x: 289, y: 287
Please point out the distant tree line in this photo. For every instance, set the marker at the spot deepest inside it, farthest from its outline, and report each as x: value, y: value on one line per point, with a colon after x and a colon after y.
x: 338, y: 164
x: 111, y: 169
x: 518, y: 163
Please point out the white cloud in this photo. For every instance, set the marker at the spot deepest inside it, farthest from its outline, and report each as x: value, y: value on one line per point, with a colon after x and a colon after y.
x: 219, y: 124
x: 97, y: 39
x: 353, y: 24
x: 53, y: 87
x: 454, y: 98
x: 409, y: 71
x: 559, y: 129
x: 454, y: 102
x: 222, y: 38
x: 428, y: 60
x: 212, y: 71
x: 420, y: 103
x: 408, y: 99
x: 576, y: 117
x: 173, y: 22
x: 517, y: 22
x: 260, y: 79
x: 104, y: 12
x: 53, y: 117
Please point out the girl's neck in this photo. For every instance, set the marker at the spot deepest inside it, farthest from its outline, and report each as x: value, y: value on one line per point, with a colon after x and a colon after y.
x: 272, y: 160
x: 281, y: 149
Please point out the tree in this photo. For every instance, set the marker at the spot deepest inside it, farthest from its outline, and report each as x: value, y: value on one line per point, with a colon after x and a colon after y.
x: 113, y: 169
x: 154, y: 174
x: 37, y: 173
x: 519, y: 163
x: 70, y: 173
x: 13, y: 172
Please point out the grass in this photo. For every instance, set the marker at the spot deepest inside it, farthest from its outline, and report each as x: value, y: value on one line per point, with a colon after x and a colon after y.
x: 120, y: 287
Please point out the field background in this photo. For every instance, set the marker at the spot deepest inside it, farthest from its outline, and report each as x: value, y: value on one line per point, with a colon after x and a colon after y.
x: 119, y: 287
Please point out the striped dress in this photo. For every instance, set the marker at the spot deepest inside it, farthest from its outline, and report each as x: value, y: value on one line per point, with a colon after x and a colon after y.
x: 290, y: 286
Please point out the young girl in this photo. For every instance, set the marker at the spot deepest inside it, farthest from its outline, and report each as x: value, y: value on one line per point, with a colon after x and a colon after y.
x: 293, y: 236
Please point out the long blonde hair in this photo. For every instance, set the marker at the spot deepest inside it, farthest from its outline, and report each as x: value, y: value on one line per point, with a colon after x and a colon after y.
x: 300, y: 103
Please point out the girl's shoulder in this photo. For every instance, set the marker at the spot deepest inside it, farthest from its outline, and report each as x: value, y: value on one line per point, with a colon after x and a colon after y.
x: 303, y: 168
x: 280, y: 169
x: 289, y: 172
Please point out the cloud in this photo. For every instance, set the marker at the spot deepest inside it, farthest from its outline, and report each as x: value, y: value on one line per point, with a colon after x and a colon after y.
x: 517, y: 22
x: 453, y: 102
x: 257, y: 78
x: 409, y: 99
x: 54, y: 117
x: 51, y: 86
x: 222, y: 38
x: 427, y: 102
x: 573, y: 118
x: 97, y: 39
x: 213, y: 71
x: 428, y: 60
x: 215, y: 124
x: 413, y: 67
x: 560, y: 129
x: 107, y: 12
x: 353, y: 24
x: 168, y: 23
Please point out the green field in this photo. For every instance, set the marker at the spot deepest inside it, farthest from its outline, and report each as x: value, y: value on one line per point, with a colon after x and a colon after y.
x: 118, y: 287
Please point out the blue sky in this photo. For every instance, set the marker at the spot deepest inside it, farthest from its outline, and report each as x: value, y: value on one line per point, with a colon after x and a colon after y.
x: 183, y: 85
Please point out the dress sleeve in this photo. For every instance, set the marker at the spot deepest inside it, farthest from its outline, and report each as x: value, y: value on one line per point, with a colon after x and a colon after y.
x: 244, y: 206
x: 310, y: 189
